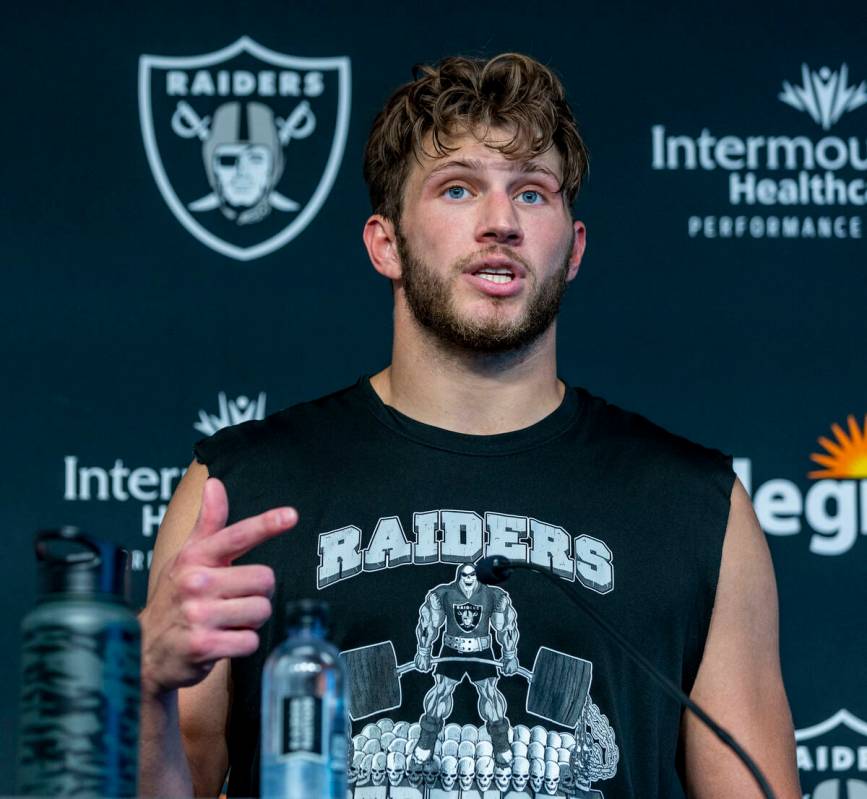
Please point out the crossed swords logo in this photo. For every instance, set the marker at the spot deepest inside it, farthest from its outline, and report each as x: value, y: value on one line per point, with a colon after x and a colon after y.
x: 300, y: 123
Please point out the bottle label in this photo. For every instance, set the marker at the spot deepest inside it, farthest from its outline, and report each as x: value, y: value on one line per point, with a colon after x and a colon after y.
x: 302, y: 726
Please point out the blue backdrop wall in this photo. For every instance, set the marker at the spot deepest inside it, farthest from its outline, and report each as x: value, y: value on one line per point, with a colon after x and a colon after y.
x: 722, y: 295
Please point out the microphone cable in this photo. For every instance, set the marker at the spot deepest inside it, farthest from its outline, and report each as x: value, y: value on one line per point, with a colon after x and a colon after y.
x: 497, y: 569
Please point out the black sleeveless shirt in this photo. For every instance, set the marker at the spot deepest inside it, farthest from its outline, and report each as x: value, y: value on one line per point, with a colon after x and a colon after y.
x: 390, y: 512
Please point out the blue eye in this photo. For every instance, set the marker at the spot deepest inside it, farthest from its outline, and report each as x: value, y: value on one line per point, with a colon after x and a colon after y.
x: 531, y: 197
x: 456, y: 192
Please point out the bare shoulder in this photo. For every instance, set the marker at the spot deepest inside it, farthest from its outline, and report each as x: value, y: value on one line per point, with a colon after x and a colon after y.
x: 180, y: 517
x: 739, y: 681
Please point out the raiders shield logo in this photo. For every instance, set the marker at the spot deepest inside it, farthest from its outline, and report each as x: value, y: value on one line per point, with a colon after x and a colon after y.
x: 467, y: 616
x: 244, y: 143
x: 832, y: 757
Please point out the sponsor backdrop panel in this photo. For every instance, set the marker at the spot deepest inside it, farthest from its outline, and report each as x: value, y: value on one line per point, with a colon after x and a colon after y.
x: 181, y: 235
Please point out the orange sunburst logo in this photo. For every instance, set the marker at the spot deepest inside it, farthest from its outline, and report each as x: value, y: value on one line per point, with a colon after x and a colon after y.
x: 845, y: 457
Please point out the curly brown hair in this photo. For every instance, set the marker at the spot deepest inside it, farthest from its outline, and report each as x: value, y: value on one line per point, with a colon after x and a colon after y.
x: 510, y: 90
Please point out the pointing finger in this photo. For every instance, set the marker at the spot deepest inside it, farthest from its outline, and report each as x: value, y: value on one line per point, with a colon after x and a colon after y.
x: 222, y: 547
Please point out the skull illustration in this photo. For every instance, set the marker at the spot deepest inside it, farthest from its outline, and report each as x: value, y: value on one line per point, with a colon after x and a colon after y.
x: 567, y: 741
x: 552, y: 778
x: 364, y: 770
x: 386, y: 725
x: 484, y: 749
x: 355, y: 767
x: 502, y: 775
x: 377, y: 770
x: 538, y: 734
x: 519, y: 749
x: 521, y: 733
x: 414, y: 772
x: 466, y: 749
x: 484, y: 772
x: 401, y: 729
x: 395, y: 766
x: 469, y: 733
x: 466, y: 772
x: 450, y: 749
x: 371, y: 747
x: 371, y: 731
x: 567, y: 781
x: 520, y: 773
x: 449, y: 772
x: 537, y: 774
x: 535, y: 751
x: 452, y: 732
x: 431, y: 770
x: 554, y: 739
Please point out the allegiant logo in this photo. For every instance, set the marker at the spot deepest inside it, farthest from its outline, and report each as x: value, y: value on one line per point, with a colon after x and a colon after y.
x: 834, y: 507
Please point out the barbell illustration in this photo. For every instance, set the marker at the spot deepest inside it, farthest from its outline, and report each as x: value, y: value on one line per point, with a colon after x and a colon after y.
x: 558, y: 683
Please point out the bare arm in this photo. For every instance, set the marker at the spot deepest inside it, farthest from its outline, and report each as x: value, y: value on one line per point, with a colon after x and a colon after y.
x: 504, y: 620
x: 739, y: 681
x: 430, y: 618
x: 199, y: 613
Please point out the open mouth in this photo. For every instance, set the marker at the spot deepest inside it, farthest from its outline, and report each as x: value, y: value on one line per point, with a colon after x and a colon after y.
x: 495, y: 274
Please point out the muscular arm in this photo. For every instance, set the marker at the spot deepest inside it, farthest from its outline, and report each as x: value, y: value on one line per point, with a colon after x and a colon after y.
x: 430, y: 618
x: 739, y: 681
x: 504, y: 620
x: 183, y: 745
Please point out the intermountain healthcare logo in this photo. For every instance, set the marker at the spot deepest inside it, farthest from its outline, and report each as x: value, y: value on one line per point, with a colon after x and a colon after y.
x: 824, y: 95
x: 832, y: 758
x: 244, y: 143
x: 147, y: 487
x: 781, y: 171
x: 231, y: 412
x: 834, y: 507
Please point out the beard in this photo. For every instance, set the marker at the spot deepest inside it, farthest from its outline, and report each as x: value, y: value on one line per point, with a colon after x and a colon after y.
x: 431, y: 301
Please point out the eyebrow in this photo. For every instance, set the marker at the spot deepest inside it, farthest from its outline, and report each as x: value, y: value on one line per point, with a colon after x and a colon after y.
x: 473, y: 164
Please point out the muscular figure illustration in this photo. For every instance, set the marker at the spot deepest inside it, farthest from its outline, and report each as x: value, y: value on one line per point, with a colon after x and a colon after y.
x: 473, y: 615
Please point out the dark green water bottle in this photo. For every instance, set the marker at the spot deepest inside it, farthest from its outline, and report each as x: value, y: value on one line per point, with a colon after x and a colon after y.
x: 80, y: 673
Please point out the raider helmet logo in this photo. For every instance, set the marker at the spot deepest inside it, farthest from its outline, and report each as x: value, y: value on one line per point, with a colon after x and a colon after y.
x: 245, y: 142
x: 467, y: 616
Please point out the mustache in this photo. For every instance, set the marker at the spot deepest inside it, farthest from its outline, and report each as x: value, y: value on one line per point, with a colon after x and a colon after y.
x: 495, y: 249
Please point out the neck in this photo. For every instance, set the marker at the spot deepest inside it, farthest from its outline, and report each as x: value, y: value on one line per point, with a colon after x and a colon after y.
x: 469, y: 392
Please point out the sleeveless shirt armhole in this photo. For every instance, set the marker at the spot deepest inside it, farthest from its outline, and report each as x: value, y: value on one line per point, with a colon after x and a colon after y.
x: 722, y: 476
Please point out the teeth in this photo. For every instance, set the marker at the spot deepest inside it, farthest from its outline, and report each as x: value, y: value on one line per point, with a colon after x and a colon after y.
x: 497, y: 277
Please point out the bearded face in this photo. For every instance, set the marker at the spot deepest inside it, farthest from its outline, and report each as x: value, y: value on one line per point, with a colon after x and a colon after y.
x: 431, y: 298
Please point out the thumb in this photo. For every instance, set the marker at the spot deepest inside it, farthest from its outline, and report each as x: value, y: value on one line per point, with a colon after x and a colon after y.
x: 213, y: 512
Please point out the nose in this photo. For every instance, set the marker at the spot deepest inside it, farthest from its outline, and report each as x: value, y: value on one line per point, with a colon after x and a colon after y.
x: 498, y: 221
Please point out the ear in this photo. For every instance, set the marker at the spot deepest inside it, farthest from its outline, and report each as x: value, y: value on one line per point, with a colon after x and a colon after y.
x: 579, y: 242
x: 381, y: 242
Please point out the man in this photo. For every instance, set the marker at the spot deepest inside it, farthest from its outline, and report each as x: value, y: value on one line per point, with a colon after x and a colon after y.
x: 466, y: 445
x: 470, y: 612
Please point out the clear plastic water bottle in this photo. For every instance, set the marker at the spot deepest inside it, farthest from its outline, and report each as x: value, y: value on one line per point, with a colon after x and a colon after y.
x: 304, y: 721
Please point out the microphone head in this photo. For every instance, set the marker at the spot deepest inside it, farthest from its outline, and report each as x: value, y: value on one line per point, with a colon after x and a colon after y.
x: 493, y: 569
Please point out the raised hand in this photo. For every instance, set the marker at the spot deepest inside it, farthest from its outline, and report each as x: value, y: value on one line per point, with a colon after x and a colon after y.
x: 202, y: 608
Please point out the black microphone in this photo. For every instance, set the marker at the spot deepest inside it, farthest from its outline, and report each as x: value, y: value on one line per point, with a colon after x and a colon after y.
x: 496, y: 569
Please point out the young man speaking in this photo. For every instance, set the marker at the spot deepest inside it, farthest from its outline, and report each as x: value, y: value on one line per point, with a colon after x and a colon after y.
x: 467, y: 445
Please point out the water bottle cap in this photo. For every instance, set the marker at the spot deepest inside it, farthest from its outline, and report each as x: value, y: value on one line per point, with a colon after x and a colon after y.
x: 304, y: 612
x: 71, y: 562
